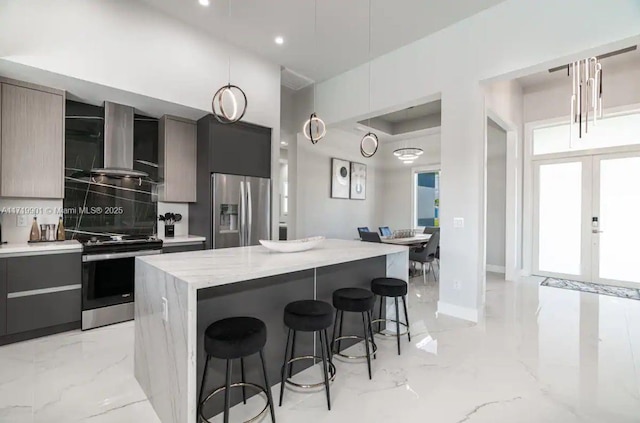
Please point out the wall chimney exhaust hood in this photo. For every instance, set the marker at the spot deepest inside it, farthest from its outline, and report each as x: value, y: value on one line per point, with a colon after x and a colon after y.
x: 118, y: 142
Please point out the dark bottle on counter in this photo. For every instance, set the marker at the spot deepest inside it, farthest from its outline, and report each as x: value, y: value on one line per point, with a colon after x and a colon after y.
x: 60, y: 235
x: 35, y: 232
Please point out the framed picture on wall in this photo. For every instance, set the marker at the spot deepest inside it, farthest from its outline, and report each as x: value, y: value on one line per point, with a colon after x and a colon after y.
x: 340, y: 178
x: 358, y: 181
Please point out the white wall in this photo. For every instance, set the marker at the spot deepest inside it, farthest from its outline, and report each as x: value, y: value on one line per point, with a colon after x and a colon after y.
x: 496, y: 196
x: 316, y: 212
x: 502, y: 42
x: 132, y: 47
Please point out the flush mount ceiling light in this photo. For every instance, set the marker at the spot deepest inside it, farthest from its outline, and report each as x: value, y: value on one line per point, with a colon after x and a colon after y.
x: 229, y: 103
x: 204, y: 2
x: 408, y: 155
x: 369, y: 143
x: 279, y: 40
x: 314, y: 128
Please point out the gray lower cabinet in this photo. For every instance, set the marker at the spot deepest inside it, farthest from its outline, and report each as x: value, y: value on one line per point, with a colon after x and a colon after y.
x: 182, y: 248
x: 32, y: 140
x: 3, y: 297
x: 44, y: 310
x: 42, y: 291
x: 177, y: 160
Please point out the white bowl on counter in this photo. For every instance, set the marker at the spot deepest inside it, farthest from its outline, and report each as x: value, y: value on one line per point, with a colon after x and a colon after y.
x: 292, y: 246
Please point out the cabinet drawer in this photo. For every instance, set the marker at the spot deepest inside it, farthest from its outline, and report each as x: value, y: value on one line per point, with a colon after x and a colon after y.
x: 42, y: 272
x: 3, y: 297
x: 44, y: 310
x: 182, y: 248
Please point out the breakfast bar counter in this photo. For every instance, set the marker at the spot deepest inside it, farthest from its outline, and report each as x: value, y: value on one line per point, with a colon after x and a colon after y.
x: 178, y: 295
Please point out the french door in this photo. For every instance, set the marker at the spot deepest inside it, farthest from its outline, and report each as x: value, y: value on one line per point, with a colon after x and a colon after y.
x: 587, y: 218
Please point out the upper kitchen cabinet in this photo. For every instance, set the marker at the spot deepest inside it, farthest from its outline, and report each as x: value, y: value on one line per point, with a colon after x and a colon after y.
x: 177, y: 160
x: 31, y: 140
x: 238, y: 149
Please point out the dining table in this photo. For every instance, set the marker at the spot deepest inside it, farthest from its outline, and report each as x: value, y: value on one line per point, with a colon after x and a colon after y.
x: 417, y: 239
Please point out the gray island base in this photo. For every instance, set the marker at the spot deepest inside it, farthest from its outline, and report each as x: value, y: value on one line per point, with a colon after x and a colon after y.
x: 179, y: 295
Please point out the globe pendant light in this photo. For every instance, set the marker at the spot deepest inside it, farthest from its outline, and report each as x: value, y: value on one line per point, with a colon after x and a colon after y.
x: 314, y: 128
x: 229, y: 103
x: 369, y: 143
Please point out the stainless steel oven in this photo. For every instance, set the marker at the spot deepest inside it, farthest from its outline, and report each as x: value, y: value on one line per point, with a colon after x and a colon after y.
x: 108, y: 284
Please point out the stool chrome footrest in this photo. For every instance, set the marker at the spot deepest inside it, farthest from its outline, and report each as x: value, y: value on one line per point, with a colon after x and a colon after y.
x: 332, y: 372
x: 255, y: 387
x: 374, y: 348
x: 393, y: 335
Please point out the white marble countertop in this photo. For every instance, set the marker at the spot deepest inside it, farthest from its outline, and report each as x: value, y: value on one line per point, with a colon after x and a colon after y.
x: 183, y: 240
x: 41, y: 248
x: 209, y: 268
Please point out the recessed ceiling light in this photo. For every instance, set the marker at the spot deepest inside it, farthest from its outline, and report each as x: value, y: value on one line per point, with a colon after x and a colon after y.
x: 284, y: 143
x: 279, y: 40
x: 204, y: 2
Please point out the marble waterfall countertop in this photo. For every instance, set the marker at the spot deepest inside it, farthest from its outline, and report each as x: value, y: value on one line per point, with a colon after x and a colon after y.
x: 39, y: 248
x: 209, y: 268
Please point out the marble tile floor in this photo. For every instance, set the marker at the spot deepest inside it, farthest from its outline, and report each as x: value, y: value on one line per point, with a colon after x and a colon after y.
x: 540, y: 355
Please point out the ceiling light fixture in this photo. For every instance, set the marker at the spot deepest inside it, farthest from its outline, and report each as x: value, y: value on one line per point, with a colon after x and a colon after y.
x: 408, y: 154
x: 314, y: 128
x: 203, y: 2
x: 369, y: 143
x: 586, y: 95
x: 229, y: 103
x: 279, y: 40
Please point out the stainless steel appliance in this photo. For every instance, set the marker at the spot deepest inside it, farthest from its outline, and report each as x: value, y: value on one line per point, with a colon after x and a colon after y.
x: 241, y: 210
x: 108, y: 275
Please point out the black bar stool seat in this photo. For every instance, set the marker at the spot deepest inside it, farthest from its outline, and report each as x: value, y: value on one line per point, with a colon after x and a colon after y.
x: 355, y: 300
x: 235, y: 338
x: 392, y: 288
x: 308, y: 316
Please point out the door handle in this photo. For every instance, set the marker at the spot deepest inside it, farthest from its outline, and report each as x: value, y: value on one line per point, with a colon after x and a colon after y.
x: 242, y: 214
x: 249, y: 213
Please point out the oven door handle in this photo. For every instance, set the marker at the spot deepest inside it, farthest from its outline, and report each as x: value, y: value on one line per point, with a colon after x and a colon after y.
x: 113, y: 256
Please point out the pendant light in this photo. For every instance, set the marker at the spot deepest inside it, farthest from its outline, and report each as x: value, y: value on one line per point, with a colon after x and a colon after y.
x: 587, y: 94
x: 369, y: 143
x: 408, y: 154
x: 229, y: 103
x: 314, y: 128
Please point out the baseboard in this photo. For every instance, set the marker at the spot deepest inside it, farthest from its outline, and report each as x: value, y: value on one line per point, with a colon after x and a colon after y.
x: 464, y: 313
x: 495, y: 268
x: 38, y: 333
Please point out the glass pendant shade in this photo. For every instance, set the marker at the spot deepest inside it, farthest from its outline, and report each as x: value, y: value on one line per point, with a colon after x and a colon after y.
x: 229, y: 104
x: 314, y: 128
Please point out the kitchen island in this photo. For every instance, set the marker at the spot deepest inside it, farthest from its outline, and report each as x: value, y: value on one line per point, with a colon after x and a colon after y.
x: 178, y: 295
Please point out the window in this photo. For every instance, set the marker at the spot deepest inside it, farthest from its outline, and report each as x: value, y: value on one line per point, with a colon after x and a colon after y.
x: 426, y: 198
x: 614, y: 131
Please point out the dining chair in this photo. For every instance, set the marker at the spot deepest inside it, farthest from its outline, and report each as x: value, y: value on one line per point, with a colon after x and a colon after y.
x: 385, y: 231
x: 362, y: 230
x: 430, y: 230
x: 370, y: 237
x: 427, y: 255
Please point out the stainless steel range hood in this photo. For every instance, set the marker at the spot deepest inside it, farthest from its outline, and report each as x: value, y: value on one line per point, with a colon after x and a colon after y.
x: 118, y: 142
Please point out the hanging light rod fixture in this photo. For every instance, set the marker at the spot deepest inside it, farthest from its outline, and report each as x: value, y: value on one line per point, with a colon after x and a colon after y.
x: 369, y: 143
x: 314, y: 128
x: 602, y: 56
x: 229, y: 103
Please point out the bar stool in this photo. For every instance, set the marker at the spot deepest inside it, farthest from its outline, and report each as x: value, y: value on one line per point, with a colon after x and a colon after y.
x: 355, y: 300
x: 308, y: 316
x: 392, y: 288
x: 230, y: 339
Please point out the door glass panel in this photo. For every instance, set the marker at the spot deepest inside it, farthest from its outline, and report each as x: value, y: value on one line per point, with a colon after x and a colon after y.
x: 613, y: 131
x: 427, y: 199
x: 619, y: 211
x: 560, y: 211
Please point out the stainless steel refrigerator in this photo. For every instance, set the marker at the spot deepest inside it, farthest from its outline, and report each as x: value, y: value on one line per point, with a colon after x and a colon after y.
x: 241, y: 210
